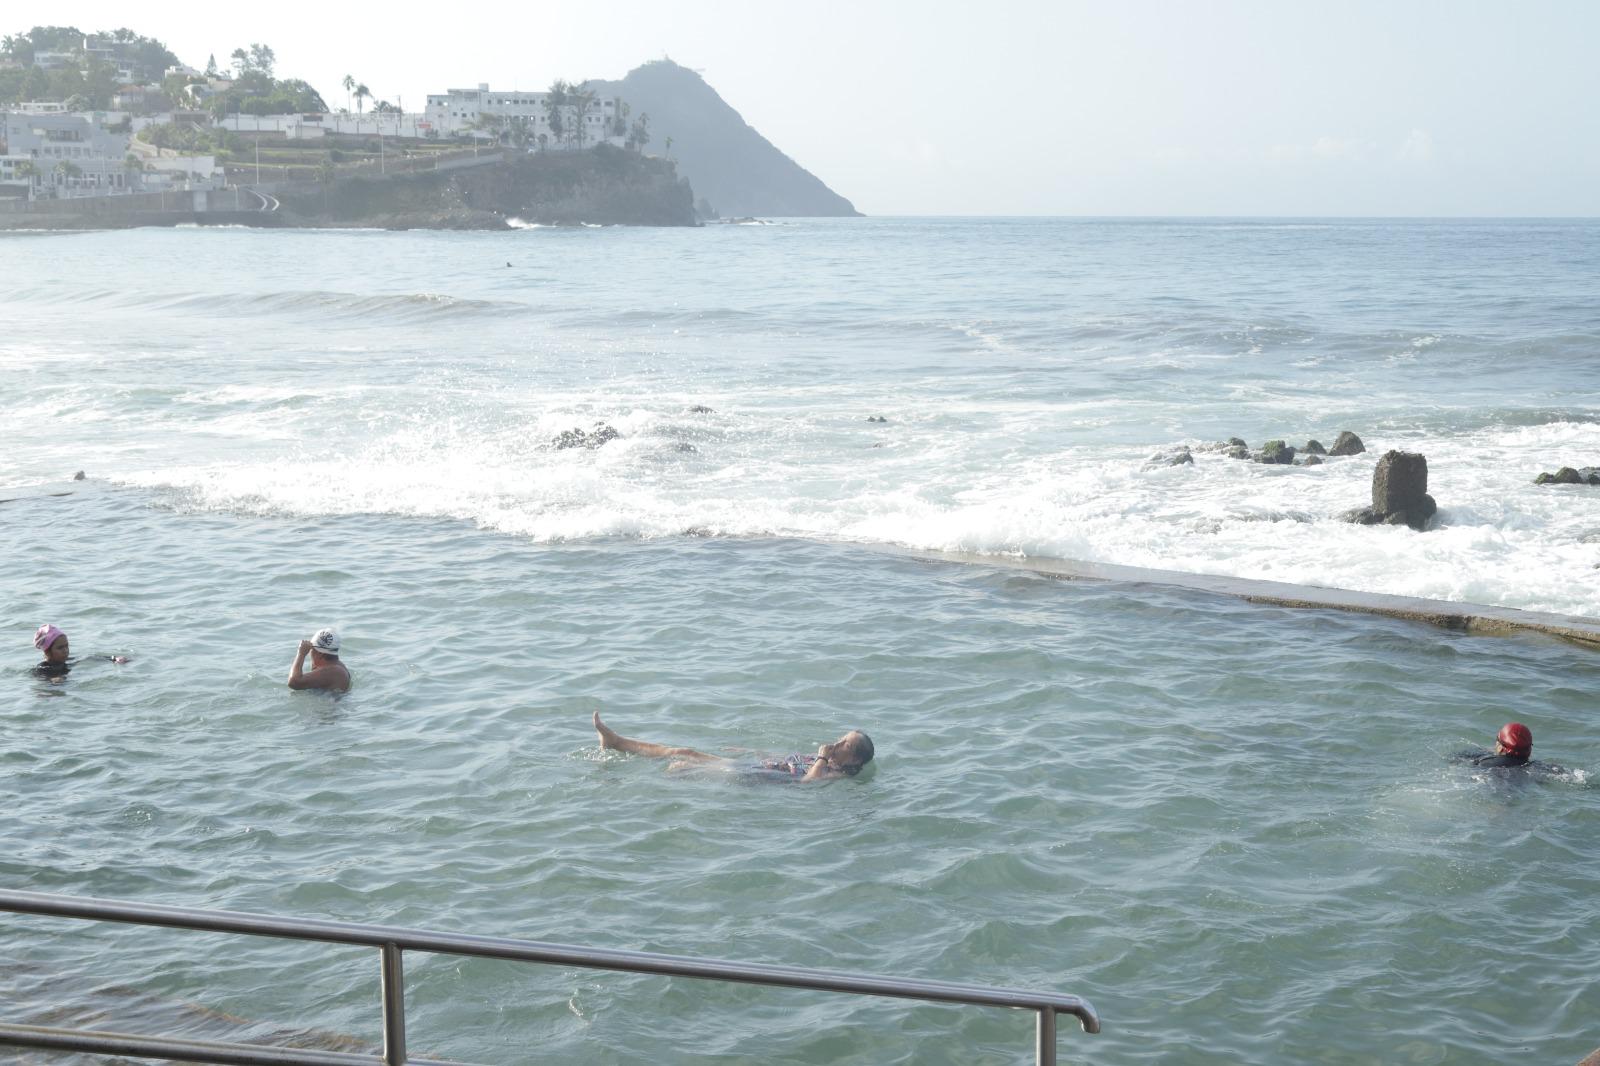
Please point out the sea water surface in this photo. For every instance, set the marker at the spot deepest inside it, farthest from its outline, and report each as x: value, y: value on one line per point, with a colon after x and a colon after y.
x: 1233, y: 828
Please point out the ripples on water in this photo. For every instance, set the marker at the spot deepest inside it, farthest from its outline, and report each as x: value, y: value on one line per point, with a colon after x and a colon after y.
x: 1233, y: 828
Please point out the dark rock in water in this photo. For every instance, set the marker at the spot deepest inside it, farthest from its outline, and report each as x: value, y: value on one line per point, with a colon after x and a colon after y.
x: 1313, y: 459
x: 1276, y: 452
x: 876, y: 418
x: 1314, y: 447
x: 1237, y: 443
x: 1238, y: 451
x: 685, y: 447
x: 1399, y: 493
x: 1176, y: 457
x: 577, y: 438
x: 1363, y: 516
x: 1589, y: 475
x: 701, y: 409
x: 1399, y: 481
x: 1347, y: 444
x: 78, y: 476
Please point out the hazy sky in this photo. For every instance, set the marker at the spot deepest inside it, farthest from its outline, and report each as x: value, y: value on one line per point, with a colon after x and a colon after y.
x: 1020, y: 107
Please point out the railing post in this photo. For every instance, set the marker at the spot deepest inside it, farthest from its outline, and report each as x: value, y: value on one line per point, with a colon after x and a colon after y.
x: 394, y: 1007
x: 1045, y: 1051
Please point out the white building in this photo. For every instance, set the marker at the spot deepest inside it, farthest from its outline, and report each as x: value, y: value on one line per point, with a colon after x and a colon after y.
x: 459, y: 111
x: 68, y: 155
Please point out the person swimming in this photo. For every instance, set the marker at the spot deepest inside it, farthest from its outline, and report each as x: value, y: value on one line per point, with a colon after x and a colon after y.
x: 57, y: 650
x: 844, y: 757
x: 1513, y: 746
x: 327, y: 671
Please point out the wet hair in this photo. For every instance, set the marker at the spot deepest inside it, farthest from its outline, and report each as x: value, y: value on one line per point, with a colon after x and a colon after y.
x: 861, y: 748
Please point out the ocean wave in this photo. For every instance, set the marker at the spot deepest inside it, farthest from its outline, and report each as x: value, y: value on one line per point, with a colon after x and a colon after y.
x: 309, y: 304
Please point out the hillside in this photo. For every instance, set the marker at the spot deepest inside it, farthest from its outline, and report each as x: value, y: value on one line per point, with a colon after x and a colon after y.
x: 729, y: 164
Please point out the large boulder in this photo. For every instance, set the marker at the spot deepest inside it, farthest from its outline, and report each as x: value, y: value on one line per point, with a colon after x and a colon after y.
x: 1347, y: 444
x: 1276, y: 452
x: 1314, y: 447
x: 1399, y: 493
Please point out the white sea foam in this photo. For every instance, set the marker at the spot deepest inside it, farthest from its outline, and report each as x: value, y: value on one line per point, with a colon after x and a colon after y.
x: 1020, y: 422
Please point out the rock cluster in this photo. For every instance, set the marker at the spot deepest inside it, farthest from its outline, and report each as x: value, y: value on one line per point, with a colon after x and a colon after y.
x: 1588, y: 475
x: 578, y: 438
x: 1281, y: 453
x: 1399, y: 493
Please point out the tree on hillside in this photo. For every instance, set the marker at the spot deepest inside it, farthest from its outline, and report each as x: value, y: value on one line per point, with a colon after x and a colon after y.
x: 555, y: 106
x: 639, y: 132
x: 362, y: 92
x: 211, y: 66
x: 582, y: 102
x: 262, y: 58
x: 349, y: 83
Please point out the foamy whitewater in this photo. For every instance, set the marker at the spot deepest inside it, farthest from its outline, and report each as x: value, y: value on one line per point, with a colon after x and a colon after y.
x: 1233, y: 828
x: 1028, y: 372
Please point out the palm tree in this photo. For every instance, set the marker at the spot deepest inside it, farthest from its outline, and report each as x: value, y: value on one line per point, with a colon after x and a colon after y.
x: 349, y: 83
x: 362, y: 92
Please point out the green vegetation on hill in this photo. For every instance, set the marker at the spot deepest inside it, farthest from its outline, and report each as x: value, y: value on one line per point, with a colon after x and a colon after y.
x: 90, y: 79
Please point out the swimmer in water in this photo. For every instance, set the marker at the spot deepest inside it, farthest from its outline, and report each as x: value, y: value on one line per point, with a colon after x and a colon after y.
x: 326, y: 672
x: 842, y: 758
x: 1513, y: 750
x: 57, y: 652
x: 1513, y: 746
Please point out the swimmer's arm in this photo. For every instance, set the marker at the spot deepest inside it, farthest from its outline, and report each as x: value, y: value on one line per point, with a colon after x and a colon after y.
x: 821, y: 770
x: 298, y: 678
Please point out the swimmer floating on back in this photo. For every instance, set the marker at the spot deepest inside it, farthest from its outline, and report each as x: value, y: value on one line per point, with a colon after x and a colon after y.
x: 57, y: 651
x: 326, y: 672
x: 843, y: 758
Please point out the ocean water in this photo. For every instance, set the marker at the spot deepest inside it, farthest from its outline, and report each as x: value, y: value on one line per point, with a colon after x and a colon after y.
x: 1233, y: 828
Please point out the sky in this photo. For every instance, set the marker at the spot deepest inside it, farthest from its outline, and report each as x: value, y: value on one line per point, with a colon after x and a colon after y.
x: 1028, y: 107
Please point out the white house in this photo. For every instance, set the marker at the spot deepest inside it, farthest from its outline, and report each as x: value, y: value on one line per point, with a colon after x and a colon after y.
x: 67, y: 154
x: 458, y: 111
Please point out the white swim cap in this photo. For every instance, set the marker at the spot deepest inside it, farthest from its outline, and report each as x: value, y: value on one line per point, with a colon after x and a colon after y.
x: 326, y: 640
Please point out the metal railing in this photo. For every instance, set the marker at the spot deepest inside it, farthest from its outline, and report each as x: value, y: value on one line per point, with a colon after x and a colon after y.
x: 392, y: 941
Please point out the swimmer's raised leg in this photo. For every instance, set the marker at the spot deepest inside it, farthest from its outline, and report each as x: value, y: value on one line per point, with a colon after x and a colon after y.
x: 612, y: 740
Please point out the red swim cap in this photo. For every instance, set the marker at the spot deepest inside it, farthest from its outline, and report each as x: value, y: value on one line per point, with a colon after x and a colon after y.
x: 1516, y: 738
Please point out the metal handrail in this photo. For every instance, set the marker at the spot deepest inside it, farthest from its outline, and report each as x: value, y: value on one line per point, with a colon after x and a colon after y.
x: 392, y: 941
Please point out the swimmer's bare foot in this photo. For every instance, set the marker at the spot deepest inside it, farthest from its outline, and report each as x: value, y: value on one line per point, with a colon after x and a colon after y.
x: 608, y: 737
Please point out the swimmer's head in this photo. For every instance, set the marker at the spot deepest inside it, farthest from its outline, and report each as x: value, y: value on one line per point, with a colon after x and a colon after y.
x: 325, y: 642
x: 849, y: 753
x: 52, y: 642
x: 1515, y: 739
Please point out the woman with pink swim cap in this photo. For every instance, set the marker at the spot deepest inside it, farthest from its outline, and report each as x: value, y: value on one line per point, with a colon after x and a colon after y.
x: 50, y: 640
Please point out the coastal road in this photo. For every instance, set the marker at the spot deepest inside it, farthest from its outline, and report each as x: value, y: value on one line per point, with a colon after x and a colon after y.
x: 268, y: 203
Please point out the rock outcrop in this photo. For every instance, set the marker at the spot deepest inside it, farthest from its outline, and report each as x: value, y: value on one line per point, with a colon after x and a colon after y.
x: 1589, y: 475
x: 579, y: 438
x: 1276, y: 453
x: 604, y: 185
x: 1347, y: 444
x: 1399, y: 493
